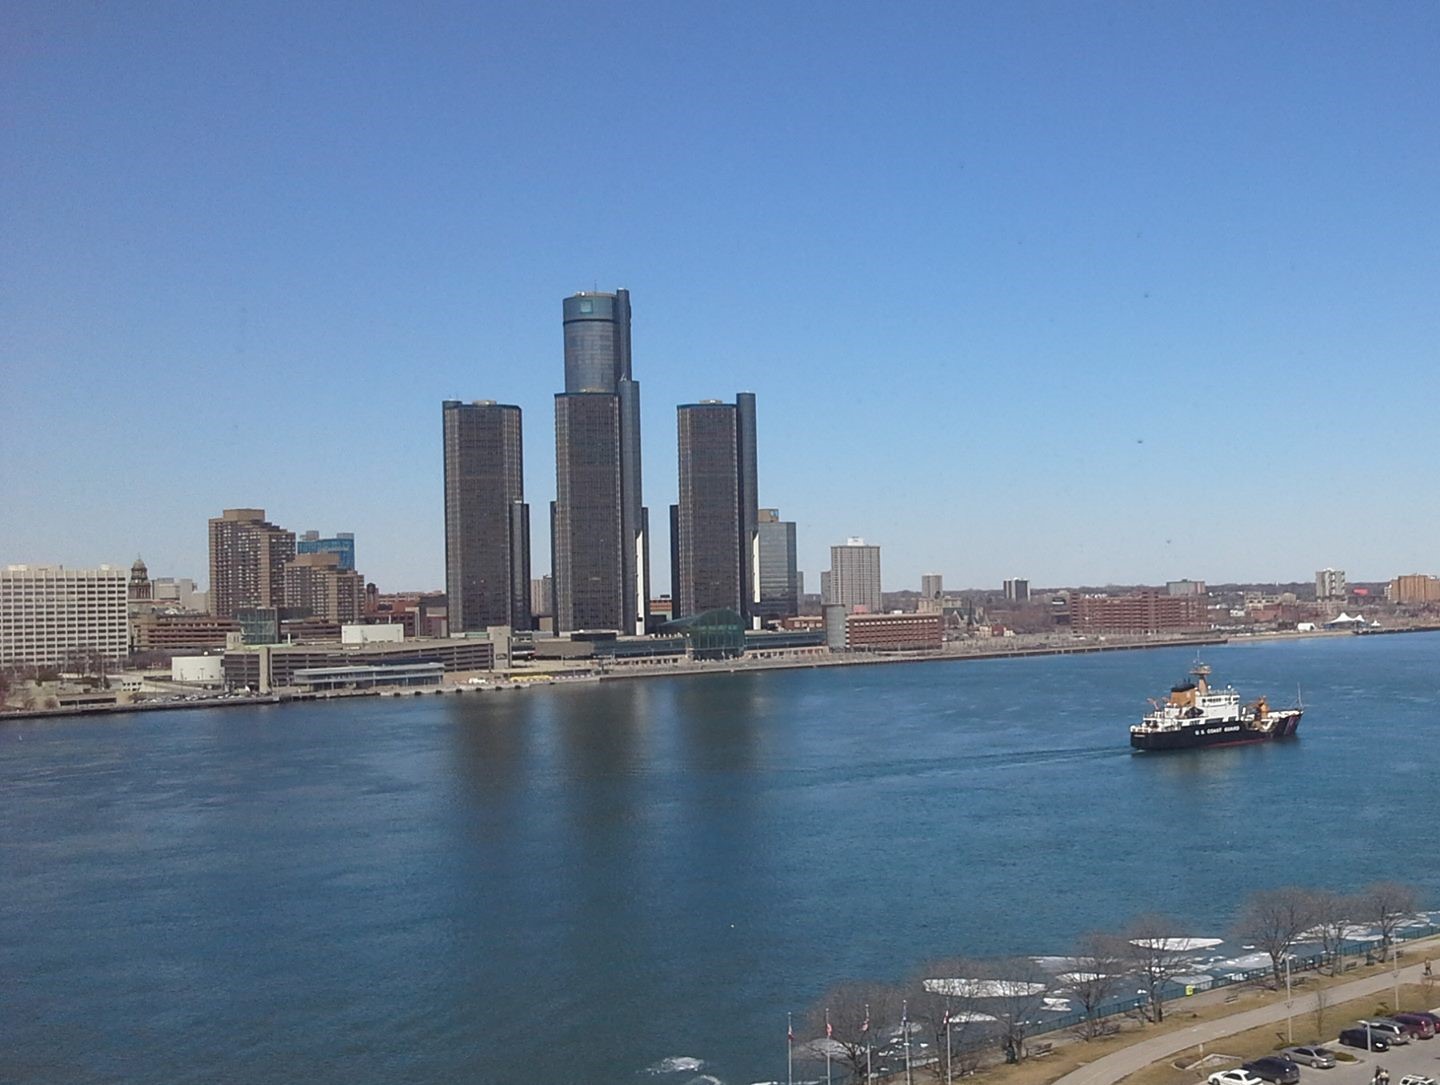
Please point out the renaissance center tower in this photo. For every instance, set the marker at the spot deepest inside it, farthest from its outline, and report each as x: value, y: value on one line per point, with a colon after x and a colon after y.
x: 599, y: 526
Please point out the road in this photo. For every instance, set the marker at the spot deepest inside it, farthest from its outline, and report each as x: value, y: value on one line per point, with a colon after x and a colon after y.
x: 1415, y: 1058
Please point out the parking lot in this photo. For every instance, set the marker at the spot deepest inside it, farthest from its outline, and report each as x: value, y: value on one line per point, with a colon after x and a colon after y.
x: 1417, y: 1057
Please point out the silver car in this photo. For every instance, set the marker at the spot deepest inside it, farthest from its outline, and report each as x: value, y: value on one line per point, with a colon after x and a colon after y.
x: 1322, y: 1058
x: 1393, y: 1031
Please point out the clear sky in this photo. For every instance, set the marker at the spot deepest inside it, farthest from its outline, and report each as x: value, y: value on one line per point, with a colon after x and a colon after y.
x: 1084, y: 293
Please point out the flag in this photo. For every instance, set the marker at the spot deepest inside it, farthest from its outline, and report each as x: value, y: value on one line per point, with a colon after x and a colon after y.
x: 789, y: 1029
x: 866, y: 1026
x: 829, y: 1032
x: 946, y: 1022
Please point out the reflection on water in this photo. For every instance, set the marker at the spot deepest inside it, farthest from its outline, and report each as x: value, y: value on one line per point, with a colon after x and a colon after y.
x: 508, y: 886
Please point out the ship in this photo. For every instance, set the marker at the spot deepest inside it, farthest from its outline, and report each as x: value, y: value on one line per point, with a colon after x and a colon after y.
x: 1196, y: 716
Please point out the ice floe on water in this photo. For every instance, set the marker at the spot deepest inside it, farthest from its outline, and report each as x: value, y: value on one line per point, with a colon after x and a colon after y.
x: 677, y: 1064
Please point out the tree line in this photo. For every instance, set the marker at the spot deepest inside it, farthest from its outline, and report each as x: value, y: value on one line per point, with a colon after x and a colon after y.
x: 964, y: 1011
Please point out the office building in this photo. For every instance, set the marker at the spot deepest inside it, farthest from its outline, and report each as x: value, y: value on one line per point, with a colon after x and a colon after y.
x: 1185, y: 587
x: 51, y: 616
x: 1330, y: 584
x: 542, y: 592
x: 932, y: 586
x: 1017, y: 591
x: 1145, y: 611
x: 487, y: 523
x: 248, y: 556
x: 341, y: 543
x: 894, y: 632
x: 855, y: 577
x: 599, y: 525
x: 317, y: 583
x: 778, y: 576
x: 1414, y: 588
x: 715, y: 520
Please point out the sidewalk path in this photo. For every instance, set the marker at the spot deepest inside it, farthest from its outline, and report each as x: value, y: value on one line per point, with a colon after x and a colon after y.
x: 1119, y: 1064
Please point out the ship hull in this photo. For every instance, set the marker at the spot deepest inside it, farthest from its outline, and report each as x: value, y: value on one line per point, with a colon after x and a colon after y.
x: 1210, y: 733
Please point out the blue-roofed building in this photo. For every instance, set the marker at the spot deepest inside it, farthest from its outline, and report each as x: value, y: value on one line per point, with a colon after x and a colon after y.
x: 342, y: 543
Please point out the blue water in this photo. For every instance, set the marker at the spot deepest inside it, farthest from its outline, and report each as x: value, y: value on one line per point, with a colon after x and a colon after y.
x: 575, y: 883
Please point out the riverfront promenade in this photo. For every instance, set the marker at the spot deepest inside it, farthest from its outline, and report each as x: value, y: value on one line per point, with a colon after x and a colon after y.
x: 1120, y: 1064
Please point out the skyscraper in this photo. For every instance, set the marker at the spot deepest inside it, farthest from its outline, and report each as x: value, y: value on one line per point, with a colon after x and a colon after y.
x: 714, y: 523
x: 599, y: 526
x: 248, y: 556
x: 855, y: 576
x: 487, y: 523
x: 778, y: 575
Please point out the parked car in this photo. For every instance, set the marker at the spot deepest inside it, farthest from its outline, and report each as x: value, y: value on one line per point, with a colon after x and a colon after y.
x: 1360, y: 1036
x: 1417, y: 1079
x: 1276, y: 1068
x: 1394, y: 1031
x: 1434, y: 1019
x: 1419, y: 1024
x: 1322, y: 1058
x: 1233, y: 1077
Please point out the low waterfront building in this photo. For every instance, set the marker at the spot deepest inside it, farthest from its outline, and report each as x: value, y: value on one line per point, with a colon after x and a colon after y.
x: 1147, y: 611
x: 267, y: 667
x: 53, y: 616
x: 893, y: 632
x: 158, y: 631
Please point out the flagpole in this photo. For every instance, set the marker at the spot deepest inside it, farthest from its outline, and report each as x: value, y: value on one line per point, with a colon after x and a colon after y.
x: 828, y: 1034
x: 789, y: 1049
x: 948, y: 1051
x: 905, y: 1027
x: 869, y: 1074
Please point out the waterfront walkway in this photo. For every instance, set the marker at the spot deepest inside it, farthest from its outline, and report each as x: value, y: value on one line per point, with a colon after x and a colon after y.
x: 1128, y: 1060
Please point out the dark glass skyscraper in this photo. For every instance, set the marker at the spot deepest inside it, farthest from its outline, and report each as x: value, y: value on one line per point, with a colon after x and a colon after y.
x: 714, y: 524
x: 487, y: 523
x: 599, y: 525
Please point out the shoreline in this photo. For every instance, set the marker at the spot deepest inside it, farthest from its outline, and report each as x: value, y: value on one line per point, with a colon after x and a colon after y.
x: 526, y: 679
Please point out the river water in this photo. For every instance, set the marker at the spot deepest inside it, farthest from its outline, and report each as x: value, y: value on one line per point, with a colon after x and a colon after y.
x: 574, y: 884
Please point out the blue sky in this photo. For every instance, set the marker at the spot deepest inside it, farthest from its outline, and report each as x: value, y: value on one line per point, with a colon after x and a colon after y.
x: 1084, y: 293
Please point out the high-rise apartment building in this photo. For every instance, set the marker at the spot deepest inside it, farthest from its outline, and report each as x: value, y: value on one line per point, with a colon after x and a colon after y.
x: 248, y: 556
x: 599, y: 525
x: 1330, y: 584
x: 932, y: 585
x: 855, y: 576
x: 53, y: 616
x: 1017, y: 591
x: 487, y: 523
x: 714, y: 523
x: 317, y: 582
x: 341, y: 543
x: 779, y: 576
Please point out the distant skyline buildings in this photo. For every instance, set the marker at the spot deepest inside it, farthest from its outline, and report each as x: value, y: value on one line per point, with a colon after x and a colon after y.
x: 341, y: 543
x: 248, y: 555
x: 778, y: 572
x: 600, y: 547
x: 855, y: 576
x: 713, y: 525
x: 487, y: 522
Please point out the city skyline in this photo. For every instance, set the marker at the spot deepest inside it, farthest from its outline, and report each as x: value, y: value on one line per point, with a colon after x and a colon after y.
x: 986, y: 291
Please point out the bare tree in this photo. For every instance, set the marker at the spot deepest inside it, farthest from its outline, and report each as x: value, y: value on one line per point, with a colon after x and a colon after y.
x: 860, y: 1015
x: 1157, y: 955
x: 1385, y: 904
x: 941, y: 1000
x: 1099, y: 969
x: 1014, y: 994
x: 1335, y: 922
x: 1322, y: 1005
x: 1273, y: 919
